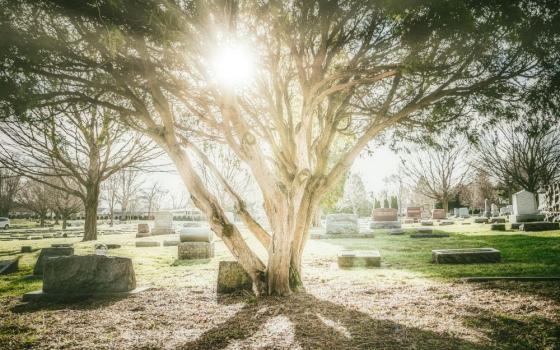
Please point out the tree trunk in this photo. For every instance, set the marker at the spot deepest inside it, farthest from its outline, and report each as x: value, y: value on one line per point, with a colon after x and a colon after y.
x: 64, y: 219
x: 112, y: 218
x: 91, y: 203
x: 42, y: 220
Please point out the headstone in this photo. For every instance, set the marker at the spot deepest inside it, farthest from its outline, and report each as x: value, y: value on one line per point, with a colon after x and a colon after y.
x: 232, y: 278
x: 88, y: 274
x: 408, y: 221
x: 396, y: 231
x: 414, y: 213
x: 192, y: 224
x: 145, y: 244
x: 385, y: 218
x: 62, y: 245
x: 524, y: 208
x: 429, y: 235
x: 439, y: 214
x: 342, y: 224
x: 47, y: 253
x: 172, y: 243
x: 494, y: 210
x: 9, y: 266
x: 507, y: 210
x: 446, y: 223
x: 424, y: 230
x: 487, y: 213
x: 456, y: 212
x: 163, y: 223
x: 464, y: 212
x: 539, y: 226
x: 112, y: 246
x: 497, y: 220
x: 26, y: 249
x: 357, y: 258
x: 143, y: 230
x: 196, y: 234
x: 480, y: 220
x: 466, y: 256
x: 195, y: 250
x: 427, y: 223
x: 498, y: 227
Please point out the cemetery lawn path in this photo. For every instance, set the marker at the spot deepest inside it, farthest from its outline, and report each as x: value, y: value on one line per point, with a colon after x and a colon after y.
x: 408, y: 303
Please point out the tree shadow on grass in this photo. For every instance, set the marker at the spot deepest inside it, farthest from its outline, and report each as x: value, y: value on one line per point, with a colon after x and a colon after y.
x: 521, y: 332
x: 321, y: 324
x: 545, y: 289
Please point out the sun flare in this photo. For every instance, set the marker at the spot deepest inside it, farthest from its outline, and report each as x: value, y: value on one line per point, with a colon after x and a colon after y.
x: 232, y: 65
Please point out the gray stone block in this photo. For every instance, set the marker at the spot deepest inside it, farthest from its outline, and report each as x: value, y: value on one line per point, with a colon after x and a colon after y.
x: 144, y: 244
x: 196, y: 234
x: 88, y: 274
x: 466, y: 256
x: 539, y: 226
x: 26, y: 249
x: 427, y: 223
x: 62, y: 245
x: 497, y: 220
x: 195, y: 250
x: 396, y: 231
x: 342, y: 224
x: 356, y: 258
x: 480, y: 220
x: 498, y: 227
x: 9, y: 266
x: 170, y: 243
x: 232, y: 278
x: 446, y: 223
x: 47, y: 253
x: 526, y: 218
x: 382, y: 225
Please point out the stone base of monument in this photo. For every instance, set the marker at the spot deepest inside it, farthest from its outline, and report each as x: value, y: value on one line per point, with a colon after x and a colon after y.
x: 498, y: 227
x: 86, y: 276
x: 47, y: 253
x: 380, y: 225
x: 158, y: 231
x: 359, y: 258
x: 526, y: 218
x: 465, y: 223
x: 170, y: 243
x: 446, y: 223
x: 195, y: 250
x: 9, y: 266
x: 232, y: 278
x: 497, y: 220
x: 539, y: 226
x: 466, y: 256
x: 192, y: 224
x: 480, y: 220
x: 143, y: 234
x: 427, y: 232
x: 196, y: 234
x: 427, y: 223
x: 26, y: 249
x: 396, y: 231
x: 409, y: 221
x: 145, y: 244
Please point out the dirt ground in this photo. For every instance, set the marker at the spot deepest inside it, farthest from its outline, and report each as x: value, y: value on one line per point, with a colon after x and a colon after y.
x: 386, y: 308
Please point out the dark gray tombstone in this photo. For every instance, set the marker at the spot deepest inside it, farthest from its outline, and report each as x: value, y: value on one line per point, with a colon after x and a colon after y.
x: 466, y: 256
x: 539, y: 226
x: 9, y: 266
x: 355, y: 258
x: 47, y: 253
x: 232, y: 278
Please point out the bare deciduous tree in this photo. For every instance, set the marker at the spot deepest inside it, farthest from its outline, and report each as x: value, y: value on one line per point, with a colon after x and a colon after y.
x: 10, y: 185
x: 153, y: 195
x: 78, y: 145
x: 128, y: 192
x: 35, y: 197
x: 62, y: 203
x: 521, y: 156
x: 437, y: 172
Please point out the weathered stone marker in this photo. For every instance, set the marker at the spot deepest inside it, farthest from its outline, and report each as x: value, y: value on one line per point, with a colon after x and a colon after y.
x: 427, y: 223
x: 232, y: 278
x: 497, y: 220
x: 89, y: 275
x: 47, y: 253
x: 195, y: 243
x: 145, y: 244
x: 359, y: 258
x: 446, y: 223
x: 143, y: 230
x: 539, y: 226
x: 26, y: 249
x: 62, y: 245
x: 524, y: 208
x: 346, y: 224
x: 439, y: 214
x: 163, y: 223
x: 414, y: 213
x: 480, y: 220
x: 170, y: 243
x: 498, y: 227
x: 396, y: 231
x: 384, y: 218
x: 466, y: 256
x: 9, y: 266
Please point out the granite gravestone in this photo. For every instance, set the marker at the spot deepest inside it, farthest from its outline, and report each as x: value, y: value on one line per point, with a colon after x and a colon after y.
x: 524, y: 208
x: 163, y: 223
x: 342, y: 224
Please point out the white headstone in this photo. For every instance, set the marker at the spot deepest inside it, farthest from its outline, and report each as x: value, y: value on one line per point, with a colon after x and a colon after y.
x: 163, y: 223
x: 463, y: 212
x: 524, y: 203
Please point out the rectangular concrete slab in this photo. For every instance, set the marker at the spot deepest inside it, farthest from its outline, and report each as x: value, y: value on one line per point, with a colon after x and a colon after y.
x: 39, y: 295
x: 359, y: 258
x: 466, y: 256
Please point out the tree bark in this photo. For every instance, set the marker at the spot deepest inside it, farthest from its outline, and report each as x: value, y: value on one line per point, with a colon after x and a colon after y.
x: 64, y: 219
x: 90, y: 204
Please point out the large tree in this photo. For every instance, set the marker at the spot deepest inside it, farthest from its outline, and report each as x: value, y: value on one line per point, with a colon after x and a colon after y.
x: 72, y: 148
x: 437, y: 172
x: 522, y: 155
x: 323, y: 70
x: 10, y: 186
